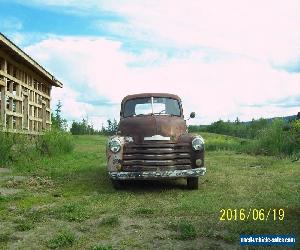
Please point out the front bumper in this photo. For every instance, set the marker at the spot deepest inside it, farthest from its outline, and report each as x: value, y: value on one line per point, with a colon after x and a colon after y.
x: 195, y: 172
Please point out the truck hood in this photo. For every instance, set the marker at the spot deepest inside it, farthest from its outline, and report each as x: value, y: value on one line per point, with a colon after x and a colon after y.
x: 140, y: 127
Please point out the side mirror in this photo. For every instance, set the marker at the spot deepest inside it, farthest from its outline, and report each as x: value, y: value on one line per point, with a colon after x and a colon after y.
x: 192, y: 115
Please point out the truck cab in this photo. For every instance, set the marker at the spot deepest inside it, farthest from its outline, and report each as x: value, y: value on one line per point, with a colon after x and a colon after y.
x: 152, y: 142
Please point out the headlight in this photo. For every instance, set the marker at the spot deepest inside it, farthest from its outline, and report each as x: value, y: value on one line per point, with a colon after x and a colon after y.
x: 198, y: 143
x: 115, y: 145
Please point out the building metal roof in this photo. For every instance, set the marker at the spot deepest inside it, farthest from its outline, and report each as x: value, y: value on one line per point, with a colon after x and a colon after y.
x: 20, y: 56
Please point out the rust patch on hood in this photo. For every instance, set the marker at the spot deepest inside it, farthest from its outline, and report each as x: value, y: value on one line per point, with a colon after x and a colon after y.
x: 150, y: 125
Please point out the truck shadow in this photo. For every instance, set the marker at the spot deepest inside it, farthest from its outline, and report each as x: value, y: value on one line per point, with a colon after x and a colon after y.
x: 95, y: 179
x: 153, y: 185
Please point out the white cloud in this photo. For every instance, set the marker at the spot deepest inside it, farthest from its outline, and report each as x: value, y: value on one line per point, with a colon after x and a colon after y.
x: 267, y: 30
x: 245, y: 39
x: 221, y: 89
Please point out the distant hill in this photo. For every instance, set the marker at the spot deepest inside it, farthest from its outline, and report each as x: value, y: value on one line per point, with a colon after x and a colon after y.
x: 285, y: 118
x: 202, y: 127
x: 289, y: 118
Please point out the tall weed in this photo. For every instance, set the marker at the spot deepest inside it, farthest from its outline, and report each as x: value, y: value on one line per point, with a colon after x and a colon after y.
x: 6, y: 143
x: 277, y: 139
x: 55, y: 142
x: 21, y: 147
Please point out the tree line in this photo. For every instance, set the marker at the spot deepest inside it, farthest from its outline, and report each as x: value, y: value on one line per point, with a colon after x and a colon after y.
x: 81, y: 127
x: 240, y: 129
x: 84, y: 128
x: 236, y: 128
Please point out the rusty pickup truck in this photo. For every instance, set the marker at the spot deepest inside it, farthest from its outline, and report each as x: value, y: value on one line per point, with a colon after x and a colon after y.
x: 152, y: 142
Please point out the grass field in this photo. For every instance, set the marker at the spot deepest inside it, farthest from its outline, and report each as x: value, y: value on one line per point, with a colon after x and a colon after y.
x: 69, y: 202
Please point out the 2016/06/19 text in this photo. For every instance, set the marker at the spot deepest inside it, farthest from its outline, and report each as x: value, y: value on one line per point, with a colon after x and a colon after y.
x: 255, y: 214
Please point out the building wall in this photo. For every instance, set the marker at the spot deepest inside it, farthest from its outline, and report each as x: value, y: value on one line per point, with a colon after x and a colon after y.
x: 24, y: 97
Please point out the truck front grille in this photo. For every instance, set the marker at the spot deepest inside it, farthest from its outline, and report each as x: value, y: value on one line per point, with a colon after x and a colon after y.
x: 156, y: 157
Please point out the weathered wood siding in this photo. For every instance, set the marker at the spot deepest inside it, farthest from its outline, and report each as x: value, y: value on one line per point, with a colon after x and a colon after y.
x: 24, y: 92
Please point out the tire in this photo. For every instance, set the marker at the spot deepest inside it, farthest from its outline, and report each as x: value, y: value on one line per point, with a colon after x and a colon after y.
x: 192, y: 183
x: 117, y: 184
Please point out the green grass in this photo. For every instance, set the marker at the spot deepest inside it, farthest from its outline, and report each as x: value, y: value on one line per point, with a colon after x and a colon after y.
x: 111, y: 221
x: 4, y: 237
x: 62, y: 240
x: 71, y: 212
x: 24, y: 224
x: 185, y: 230
x: 101, y: 247
x: 72, y: 192
x: 216, y: 142
x: 143, y: 211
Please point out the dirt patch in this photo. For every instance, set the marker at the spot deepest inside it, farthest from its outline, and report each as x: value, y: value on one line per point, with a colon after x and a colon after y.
x: 15, y: 181
x: 31, y: 183
x: 4, y: 178
x: 9, y: 191
x: 5, y: 171
x: 37, y: 182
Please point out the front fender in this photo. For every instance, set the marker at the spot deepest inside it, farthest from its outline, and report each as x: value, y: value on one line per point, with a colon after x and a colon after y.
x: 114, y: 159
x: 187, y: 138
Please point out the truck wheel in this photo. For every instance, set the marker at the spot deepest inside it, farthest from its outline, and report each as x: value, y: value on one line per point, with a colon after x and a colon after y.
x: 192, y: 183
x: 117, y: 184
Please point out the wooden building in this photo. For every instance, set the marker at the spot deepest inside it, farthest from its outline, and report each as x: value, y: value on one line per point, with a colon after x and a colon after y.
x: 25, y: 91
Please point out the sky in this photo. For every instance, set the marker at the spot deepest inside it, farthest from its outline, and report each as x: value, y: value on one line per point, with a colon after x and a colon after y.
x: 225, y: 59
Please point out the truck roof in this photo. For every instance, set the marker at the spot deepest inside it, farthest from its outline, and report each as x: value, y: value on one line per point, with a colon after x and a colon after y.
x: 141, y: 95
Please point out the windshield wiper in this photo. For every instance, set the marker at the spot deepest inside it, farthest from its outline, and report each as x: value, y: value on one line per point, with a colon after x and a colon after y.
x: 163, y: 114
x: 142, y: 114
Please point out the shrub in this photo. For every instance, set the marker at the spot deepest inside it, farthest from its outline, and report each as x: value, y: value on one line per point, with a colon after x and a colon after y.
x: 55, y: 142
x: 277, y: 139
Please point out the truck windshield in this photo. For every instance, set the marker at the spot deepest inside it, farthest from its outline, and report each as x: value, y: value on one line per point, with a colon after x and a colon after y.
x: 152, y: 105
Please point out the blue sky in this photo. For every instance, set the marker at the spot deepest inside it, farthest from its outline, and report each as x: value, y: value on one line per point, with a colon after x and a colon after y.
x: 225, y: 59
x: 44, y: 20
